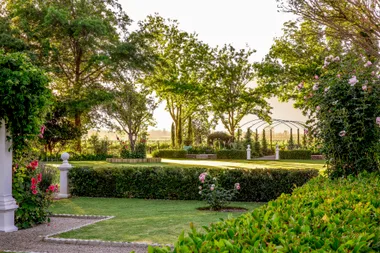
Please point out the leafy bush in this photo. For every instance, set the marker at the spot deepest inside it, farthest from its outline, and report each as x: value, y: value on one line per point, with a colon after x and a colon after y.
x: 76, y: 157
x: 344, y: 108
x: 201, y: 150
x: 169, y: 153
x: 182, y: 183
x: 231, y: 154
x: 295, y: 154
x: 140, y: 152
x: 216, y: 196
x: 324, y: 215
x: 32, y: 196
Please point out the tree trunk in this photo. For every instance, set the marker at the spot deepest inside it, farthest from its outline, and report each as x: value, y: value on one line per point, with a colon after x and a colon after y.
x: 78, y: 124
x: 173, y: 135
x: 131, y: 141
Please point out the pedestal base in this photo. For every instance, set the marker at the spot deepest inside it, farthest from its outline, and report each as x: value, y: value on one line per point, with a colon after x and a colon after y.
x: 7, y: 220
x: 63, y: 196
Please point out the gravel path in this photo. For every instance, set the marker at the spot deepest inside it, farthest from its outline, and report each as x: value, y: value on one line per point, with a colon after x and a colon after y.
x: 30, y: 240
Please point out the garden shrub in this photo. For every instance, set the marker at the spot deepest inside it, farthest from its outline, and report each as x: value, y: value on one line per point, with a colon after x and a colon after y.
x: 344, y: 109
x: 140, y: 152
x: 295, y: 154
x: 231, y: 154
x: 216, y: 196
x: 76, y: 157
x: 33, y: 194
x: 170, y: 153
x: 201, y: 150
x: 324, y: 215
x: 182, y: 183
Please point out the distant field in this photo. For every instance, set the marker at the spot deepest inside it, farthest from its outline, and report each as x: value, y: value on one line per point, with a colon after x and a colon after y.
x: 252, y: 164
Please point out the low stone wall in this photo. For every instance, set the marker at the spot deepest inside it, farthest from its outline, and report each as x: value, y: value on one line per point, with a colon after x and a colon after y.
x: 317, y: 157
x: 201, y: 156
x: 140, y: 160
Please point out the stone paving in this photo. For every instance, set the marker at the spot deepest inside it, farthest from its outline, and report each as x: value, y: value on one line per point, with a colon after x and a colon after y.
x: 31, y: 240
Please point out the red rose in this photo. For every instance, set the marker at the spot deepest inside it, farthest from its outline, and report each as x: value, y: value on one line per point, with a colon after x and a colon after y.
x: 34, y: 181
x: 52, y: 187
x: 39, y: 177
x: 34, y: 192
x: 33, y: 165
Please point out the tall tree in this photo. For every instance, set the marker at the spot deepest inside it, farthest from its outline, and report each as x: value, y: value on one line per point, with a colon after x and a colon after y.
x: 178, y: 77
x: 77, y: 42
x: 295, y: 59
x: 230, y: 96
x: 130, y: 111
x: 350, y: 20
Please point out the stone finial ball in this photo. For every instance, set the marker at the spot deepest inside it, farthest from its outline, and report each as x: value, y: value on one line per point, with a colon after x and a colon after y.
x: 65, y: 156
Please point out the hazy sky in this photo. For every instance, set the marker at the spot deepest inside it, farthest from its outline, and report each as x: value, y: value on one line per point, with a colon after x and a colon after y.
x: 218, y: 22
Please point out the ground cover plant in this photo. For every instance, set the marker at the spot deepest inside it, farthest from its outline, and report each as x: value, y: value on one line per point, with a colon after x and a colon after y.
x: 324, y: 215
x: 182, y: 183
x: 157, y: 221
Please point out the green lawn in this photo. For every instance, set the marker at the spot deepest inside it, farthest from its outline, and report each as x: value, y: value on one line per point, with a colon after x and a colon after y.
x: 252, y: 164
x: 159, y: 221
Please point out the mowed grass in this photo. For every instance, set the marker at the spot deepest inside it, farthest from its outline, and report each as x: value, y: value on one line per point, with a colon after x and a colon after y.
x: 139, y: 220
x: 251, y: 164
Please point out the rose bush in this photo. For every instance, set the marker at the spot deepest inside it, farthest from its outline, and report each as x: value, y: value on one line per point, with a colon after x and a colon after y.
x: 32, y: 196
x: 344, y: 108
x: 216, y: 196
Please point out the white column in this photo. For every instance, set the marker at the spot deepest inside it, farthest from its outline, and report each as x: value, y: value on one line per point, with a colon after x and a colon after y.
x: 64, y: 182
x: 277, y: 152
x: 7, y: 202
x: 248, y: 152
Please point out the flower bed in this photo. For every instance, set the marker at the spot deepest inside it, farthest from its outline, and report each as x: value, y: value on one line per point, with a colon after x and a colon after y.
x: 182, y: 183
x: 322, y: 216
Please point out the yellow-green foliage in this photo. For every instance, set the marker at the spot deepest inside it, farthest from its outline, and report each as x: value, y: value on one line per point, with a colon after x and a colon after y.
x: 322, y: 216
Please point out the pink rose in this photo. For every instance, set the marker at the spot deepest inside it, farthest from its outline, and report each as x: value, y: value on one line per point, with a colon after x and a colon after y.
x: 316, y: 77
x: 378, y: 121
x: 318, y: 108
x: 212, y: 188
x: 338, y: 75
x: 237, y: 186
x: 34, y: 192
x: 367, y: 64
x: 364, y: 87
x: 352, y: 81
x: 42, y: 129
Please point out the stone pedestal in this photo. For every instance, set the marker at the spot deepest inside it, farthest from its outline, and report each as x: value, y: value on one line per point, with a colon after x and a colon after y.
x: 7, y: 202
x: 64, y: 182
x: 277, y: 153
x: 248, y: 152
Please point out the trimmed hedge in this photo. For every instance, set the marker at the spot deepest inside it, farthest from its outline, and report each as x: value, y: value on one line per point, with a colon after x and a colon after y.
x: 170, y: 153
x: 76, y: 157
x: 231, y: 154
x: 322, y: 216
x: 295, y: 154
x: 182, y: 183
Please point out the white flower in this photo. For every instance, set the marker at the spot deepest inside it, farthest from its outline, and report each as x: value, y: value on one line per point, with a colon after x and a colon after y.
x: 200, y: 192
x: 342, y: 133
x: 327, y: 89
x: 200, y: 187
x: 337, y: 58
x: 352, y: 81
x: 315, y: 87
